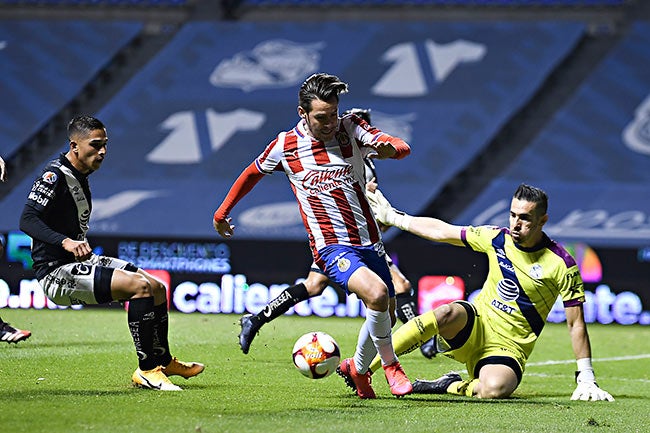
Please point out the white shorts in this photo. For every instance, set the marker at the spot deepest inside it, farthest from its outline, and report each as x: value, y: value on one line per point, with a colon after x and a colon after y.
x: 87, y: 282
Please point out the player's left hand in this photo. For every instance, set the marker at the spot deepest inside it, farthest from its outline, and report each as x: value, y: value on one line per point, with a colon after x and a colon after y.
x: 587, y: 389
x: 383, y: 148
x: 372, y: 185
x: 224, y: 227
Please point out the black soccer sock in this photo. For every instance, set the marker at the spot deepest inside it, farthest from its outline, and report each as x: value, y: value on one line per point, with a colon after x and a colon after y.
x: 285, y: 300
x: 160, y: 333
x: 406, y: 309
x: 141, y: 320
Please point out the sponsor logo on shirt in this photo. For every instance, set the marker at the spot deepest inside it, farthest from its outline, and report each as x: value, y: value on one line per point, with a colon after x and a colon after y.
x: 316, y: 182
x: 49, y: 177
x: 507, y: 290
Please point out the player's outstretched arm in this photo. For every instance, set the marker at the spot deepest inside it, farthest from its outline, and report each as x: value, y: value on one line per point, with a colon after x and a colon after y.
x: 586, y: 389
x: 242, y: 186
x: 428, y: 228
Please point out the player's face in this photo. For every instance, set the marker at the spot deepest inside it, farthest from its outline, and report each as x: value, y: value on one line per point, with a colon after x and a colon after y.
x: 323, y: 118
x: 525, y: 223
x: 89, y: 150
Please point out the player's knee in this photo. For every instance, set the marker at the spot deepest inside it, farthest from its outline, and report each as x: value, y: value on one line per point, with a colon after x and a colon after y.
x: 450, y: 316
x: 444, y: 313
x: 316, y: 286
x: 158, y: 288
x: 494, y: 388
x: 377, y: 298
x: 140, y: 286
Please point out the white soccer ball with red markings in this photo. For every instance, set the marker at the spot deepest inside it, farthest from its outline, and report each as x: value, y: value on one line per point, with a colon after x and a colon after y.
x: 316, y: 355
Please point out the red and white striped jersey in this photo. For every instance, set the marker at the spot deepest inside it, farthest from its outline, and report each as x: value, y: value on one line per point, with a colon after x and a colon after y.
x: 328, y: 181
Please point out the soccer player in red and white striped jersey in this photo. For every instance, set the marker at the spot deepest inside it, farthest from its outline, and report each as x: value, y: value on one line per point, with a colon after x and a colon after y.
x: 322, y: 157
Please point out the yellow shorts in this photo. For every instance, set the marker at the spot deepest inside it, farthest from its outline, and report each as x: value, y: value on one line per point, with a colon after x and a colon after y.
x: 477, y: 344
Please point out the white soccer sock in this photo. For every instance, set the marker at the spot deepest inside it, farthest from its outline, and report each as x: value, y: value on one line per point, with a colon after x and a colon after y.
x: 379, y: 328
x: 366, y: 349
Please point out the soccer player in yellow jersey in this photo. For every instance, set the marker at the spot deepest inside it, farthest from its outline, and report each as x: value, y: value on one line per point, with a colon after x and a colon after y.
x: 494, y: 335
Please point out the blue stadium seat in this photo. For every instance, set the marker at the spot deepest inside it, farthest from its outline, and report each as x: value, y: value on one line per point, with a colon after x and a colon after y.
x: 121, y: 3
x: 214, y: 96
x: 46, y: 64
x: 592, y: 158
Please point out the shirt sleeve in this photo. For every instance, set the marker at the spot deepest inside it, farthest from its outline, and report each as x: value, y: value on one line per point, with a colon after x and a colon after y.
x: 40, y: 198
x: 242, y: 186
x: 479, y: 238
x: 367, y: 134
x: 32, y: 224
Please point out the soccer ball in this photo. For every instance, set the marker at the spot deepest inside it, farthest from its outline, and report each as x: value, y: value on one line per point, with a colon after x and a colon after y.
x: 316, y: 355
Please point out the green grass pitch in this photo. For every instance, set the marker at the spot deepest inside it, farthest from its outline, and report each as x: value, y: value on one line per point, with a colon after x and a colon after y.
x: 73, y: 375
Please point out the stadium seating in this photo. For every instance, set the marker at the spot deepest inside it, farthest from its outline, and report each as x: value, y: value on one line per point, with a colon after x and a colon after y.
x: 213, y: 97
x: 105, y: 3
x: 45, y: 64
x: 203, y: 119
x: 593, y: 158
x: 472, y: 3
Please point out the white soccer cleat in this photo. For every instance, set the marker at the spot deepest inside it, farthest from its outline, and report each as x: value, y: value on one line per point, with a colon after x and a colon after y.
x: 153, y: 379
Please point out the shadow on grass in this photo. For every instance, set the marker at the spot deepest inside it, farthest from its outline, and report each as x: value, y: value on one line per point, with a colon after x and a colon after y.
x: 348, y: 400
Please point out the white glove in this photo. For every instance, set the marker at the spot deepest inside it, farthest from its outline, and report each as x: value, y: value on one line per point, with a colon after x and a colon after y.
x: 385, y: 212
x: 588, y: 389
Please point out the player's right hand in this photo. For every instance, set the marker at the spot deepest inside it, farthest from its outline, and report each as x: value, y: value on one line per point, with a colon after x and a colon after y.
x: 590, y: 391
x: 224, y: 227
x: 381, y: 207
x: 587, y: 388
x: 80, y: 249
x: 385, y: 213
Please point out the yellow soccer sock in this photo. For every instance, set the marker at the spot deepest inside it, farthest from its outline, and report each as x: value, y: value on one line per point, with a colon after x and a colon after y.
x: 465, y: 387
x: 410, y: 336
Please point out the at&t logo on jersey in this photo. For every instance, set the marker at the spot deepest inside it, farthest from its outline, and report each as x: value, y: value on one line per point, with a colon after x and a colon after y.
x: 508, y: 291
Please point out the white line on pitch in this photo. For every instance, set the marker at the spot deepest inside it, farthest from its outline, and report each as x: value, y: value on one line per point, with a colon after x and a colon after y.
x: 570, y: 361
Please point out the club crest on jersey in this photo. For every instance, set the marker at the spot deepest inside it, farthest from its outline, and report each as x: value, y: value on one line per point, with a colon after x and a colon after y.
x: 343, y: 138
x: 343, y: 264
x: 49, y: 177
x: 536, y: 271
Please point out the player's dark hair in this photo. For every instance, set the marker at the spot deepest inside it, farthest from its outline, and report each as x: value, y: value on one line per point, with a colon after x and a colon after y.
x: 83, y: 125
x: 363, y: 113
x: 320, y: 86
x: 533, y: 195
